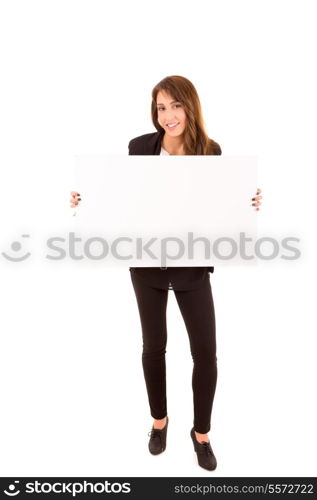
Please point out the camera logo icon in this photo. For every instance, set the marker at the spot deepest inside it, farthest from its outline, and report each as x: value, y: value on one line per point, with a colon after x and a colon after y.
x: 12, y: 490
x: 16, y: 246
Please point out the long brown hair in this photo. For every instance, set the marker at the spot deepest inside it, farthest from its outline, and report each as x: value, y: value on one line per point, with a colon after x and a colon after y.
x: 196, y: 140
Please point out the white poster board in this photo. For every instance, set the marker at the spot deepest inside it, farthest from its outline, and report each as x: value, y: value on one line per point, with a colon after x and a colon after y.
x: 129, y: 200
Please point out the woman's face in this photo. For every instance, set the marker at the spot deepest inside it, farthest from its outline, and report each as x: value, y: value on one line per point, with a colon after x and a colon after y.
x: 171, y: 115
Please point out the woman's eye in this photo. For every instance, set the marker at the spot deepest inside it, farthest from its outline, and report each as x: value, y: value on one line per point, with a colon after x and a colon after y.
x: 176, y: 105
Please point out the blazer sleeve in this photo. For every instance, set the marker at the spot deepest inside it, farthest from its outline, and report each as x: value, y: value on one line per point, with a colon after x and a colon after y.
x: 130, y: 147
x: 140, y: 145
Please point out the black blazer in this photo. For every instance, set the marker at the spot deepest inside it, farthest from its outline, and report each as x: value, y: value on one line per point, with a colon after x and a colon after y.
x: 150, y: 144
x: 181, y: 278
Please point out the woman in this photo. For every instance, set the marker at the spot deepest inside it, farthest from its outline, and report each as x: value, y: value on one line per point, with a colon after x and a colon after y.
x: 177, y: 116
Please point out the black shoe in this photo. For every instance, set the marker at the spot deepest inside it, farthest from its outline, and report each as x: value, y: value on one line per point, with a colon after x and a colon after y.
x: 157, y: 443
x: 205, y: 455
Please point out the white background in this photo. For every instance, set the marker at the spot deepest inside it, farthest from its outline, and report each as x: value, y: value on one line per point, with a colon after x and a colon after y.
x: 77, y: 78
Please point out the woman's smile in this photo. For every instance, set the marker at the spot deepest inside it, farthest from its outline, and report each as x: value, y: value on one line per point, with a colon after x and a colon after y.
x: 172, y: 125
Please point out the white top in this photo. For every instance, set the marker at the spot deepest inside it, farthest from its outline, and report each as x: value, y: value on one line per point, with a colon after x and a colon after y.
x: 163, y: 151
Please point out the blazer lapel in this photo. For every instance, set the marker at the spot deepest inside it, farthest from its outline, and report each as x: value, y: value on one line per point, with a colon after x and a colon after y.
x: 156, y: 145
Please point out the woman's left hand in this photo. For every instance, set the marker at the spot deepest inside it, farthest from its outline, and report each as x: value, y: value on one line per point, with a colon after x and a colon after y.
x: 256, y: 199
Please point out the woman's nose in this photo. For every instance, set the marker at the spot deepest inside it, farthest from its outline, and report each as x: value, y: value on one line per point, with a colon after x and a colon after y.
x: 170, y: 118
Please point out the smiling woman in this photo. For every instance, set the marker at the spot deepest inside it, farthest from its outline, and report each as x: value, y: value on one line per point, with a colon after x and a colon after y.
x: 176, y: 110
x: 177, y: 117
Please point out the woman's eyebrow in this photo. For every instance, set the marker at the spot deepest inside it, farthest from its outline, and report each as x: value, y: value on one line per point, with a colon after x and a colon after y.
x: 161, y: 104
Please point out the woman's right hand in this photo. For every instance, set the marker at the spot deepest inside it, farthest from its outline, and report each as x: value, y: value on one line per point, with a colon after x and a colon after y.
x: 74, y: 199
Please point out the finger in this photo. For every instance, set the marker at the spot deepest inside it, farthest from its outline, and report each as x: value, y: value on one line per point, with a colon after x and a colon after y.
x: 259, y: 190
x: 74, y: 193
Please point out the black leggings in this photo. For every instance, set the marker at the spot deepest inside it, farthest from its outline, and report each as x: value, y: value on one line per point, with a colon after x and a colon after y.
x: 197, y: 309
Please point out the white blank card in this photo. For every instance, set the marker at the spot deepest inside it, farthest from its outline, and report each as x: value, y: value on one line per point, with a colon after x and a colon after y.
x: 129, y: 200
